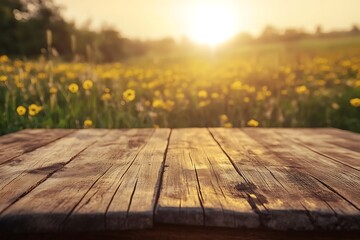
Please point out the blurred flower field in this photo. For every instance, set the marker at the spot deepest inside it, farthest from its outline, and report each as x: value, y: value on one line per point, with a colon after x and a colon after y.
x: 291, y: 90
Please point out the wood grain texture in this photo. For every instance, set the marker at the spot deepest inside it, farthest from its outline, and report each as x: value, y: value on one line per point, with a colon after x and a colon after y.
x: 286, y: 193
x: 200, y: 185
x: 318, y: 144
x: 111, y: 185
x: 124, y: 197
x: 15, y: 144
x: 21, y: 174
x: 104, y: 181
x: 341, y: 138
x: 338, y: 182
x: 47, y: 207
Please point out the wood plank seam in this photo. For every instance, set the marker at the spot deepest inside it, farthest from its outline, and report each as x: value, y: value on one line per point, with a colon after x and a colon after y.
x: 307, y: 211
x: 301, y: 143
x: 62, y: 165
x: 47, y: 177
x: 217, y: 168
x: 318, y: 212
x: 120, y: 182
x: 329, y: 157
x: 132, y: 194
x: 91, y: 186
x: 198, y: 189
x: 180, y: 202
x: 298, y: 142
x: 336, y: 192
x: 339, y: 138
x: 161, y: 175
x: 353, y: 218
x: 249, y: 199
x: 36, y: 147
x: 216, y: 177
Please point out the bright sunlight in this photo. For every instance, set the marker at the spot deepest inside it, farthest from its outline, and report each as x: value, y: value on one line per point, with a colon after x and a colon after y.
x: 212, y: 24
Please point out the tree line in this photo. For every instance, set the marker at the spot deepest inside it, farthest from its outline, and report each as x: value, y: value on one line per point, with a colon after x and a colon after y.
x: 31, y: 27
x: 27, y: 25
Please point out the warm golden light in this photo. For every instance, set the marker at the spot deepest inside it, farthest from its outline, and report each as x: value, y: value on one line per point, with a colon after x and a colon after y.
x: 212, y: 24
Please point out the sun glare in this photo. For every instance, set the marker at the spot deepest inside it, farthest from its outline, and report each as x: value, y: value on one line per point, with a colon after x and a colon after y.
x: 211, y: 24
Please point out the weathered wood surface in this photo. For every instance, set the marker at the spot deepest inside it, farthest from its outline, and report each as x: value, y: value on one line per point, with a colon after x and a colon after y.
x: 54, y: 181
x: 13, y: 145
x: 200, y: 184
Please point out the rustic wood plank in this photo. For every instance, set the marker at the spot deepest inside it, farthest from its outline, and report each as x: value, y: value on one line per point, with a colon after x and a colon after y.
x: 15, y: 144
x: 292, y: 200
x: 125, y: 196
x: 48, y: 206
x: 108, y: 180
x: 318, y: 145
x: 338, y: 178
x: 23, y: 173
x: 199, y: 185
x: 341, y: 138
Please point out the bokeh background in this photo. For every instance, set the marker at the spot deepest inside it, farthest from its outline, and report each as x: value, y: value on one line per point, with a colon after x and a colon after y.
x: 157, y: 63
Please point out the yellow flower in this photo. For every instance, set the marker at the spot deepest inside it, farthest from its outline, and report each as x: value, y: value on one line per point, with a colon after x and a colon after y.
x: 355, y: 102
x: 32, y: 112
x: 4, y: 58
x: 70, y: 75
x: 106, y: 97
x: 53, y: 90
x: 18, y: 63
x: 9, y: 69
x: 21, y: 110
x: 131, y: 84
x: 260, y: 96
x: 34, y: 109
x: 3, y: 78
x: 41, y: 75
x: 246, y: 99
x: 88, y: 84
x: 157, y: 93
x: 253, y: 123
x: 228, y: 125
x: 250, y: 89
x: 158, y: 103
x: 223, y: 118
x: 129, y: 95
x: 236, y: 85
x: 267, y: 93
x: 202, y: 94
x: 357, y: 83
x: 73, y: 87
x: 301, y: 89
x: 203, y: 103
x: 215, y: 95
x: 88, y: 123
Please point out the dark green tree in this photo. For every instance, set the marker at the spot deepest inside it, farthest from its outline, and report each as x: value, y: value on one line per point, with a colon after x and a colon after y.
x: 9, y: 32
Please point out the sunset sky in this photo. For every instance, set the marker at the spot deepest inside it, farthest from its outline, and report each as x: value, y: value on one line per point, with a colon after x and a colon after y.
x: 149, y: 19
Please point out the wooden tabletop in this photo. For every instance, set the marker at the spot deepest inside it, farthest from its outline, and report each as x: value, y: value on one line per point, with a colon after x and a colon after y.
x: 97, y: 179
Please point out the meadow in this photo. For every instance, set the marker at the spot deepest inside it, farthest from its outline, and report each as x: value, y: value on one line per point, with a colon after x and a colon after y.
x: 312, y: 83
